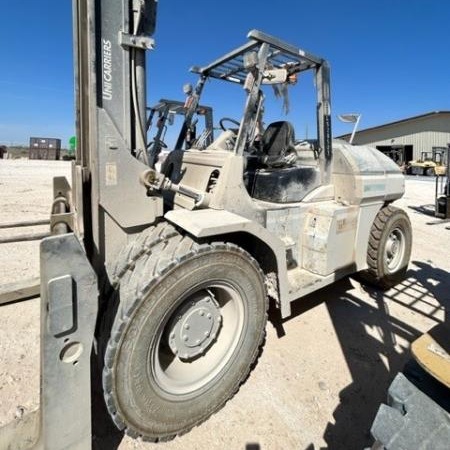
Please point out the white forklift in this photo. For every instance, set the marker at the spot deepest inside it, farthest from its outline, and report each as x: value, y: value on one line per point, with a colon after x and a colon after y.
x: 164, y: 278
x: 163, y: 115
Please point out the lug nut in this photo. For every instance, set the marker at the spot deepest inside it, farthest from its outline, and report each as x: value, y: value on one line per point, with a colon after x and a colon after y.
x: 185, y: 338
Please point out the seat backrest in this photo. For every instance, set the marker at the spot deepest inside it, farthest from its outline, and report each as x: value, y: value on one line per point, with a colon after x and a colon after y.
x: 277, y: 142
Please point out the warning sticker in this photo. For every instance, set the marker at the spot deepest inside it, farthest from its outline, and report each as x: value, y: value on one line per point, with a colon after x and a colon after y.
x: 111, y: 174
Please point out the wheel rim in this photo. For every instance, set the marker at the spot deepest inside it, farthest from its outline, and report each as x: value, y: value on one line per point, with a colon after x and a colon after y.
x: 394, y: 250
x: 182, y: 361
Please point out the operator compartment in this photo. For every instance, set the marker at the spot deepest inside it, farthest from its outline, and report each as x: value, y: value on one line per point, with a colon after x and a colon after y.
x: 285, y: 171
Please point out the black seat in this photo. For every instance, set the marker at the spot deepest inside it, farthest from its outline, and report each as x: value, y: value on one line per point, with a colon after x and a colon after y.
x: 278, y: 144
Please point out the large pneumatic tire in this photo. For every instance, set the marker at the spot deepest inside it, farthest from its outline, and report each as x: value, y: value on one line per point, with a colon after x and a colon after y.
x: 187, y: 331
x: 389, y: 248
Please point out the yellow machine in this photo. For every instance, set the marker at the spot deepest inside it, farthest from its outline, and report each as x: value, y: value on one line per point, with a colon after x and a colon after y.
x: 429, y: 164
x: 422, y: 166
x: 432, y: 352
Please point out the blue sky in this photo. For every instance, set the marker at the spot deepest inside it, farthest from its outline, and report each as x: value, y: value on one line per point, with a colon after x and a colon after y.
x: 389, y: 58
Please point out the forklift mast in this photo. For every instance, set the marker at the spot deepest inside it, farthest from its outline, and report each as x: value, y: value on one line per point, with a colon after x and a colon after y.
x: 110, y: 41
x: 103, y: 206
x: 442, y: 190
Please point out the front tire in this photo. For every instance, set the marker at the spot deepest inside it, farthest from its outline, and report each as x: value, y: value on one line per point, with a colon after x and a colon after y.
x: 189, y: 335
x: 389, y: 248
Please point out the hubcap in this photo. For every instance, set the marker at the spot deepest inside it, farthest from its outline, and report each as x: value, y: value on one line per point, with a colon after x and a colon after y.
x: 394, y: 250
x: 195, y: 325
x: 198, y: 339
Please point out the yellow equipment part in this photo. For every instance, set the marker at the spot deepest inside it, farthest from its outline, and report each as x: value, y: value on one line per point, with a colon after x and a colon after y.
x: 440, y: 170
x: 432, y: 352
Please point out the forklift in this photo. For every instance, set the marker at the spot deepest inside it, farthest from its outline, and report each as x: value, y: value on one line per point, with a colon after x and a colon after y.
x: 164, y: 113
x: 426, y: 165
x: 442, y: 191
x: 164, y: 277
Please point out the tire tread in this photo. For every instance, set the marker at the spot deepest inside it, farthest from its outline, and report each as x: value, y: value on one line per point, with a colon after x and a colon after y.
x: 372, y: 274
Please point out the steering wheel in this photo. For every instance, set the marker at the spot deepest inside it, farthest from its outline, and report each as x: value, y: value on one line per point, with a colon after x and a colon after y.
x: 162, y: 144
x: 227, y: 119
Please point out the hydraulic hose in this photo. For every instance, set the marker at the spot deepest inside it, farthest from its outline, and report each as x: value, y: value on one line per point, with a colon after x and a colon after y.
x: 140, y: 137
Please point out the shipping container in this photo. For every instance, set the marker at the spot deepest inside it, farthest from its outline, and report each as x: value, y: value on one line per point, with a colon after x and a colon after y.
x: 45, y: 148
x: 44, y: 153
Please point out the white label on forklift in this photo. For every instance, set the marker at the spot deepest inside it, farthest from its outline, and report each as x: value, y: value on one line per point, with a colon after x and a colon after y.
x: 380, y: 187
x: 107, y: 91
x: 111, y: 174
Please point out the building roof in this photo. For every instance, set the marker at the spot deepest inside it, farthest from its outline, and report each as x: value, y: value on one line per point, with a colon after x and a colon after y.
x: 408, y: 119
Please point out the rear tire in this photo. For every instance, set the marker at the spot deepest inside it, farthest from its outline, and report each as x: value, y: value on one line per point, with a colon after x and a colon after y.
x: 188, y: 330
x: 429, y: 172
x: 389, y: 248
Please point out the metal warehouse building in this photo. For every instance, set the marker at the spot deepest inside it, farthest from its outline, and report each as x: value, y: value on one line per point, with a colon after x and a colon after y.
x: 405, y: 140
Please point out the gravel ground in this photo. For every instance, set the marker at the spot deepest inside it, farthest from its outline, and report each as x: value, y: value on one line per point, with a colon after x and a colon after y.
x: 323, y: 372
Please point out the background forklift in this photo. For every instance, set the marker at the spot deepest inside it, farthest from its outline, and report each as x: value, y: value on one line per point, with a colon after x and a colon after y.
x: 442, y: 197
x: 162, y: 280
x: 163, y: 114
x: 429, y: 164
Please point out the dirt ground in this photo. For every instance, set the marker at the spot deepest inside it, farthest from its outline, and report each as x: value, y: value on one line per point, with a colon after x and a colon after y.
x: 323, y: 372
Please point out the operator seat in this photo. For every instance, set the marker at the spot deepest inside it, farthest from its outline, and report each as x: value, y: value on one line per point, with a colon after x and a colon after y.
x: 278, y: 146
x: 281, y: 179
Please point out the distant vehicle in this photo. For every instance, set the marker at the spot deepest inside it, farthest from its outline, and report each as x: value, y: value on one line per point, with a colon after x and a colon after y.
x: 429, y: 164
